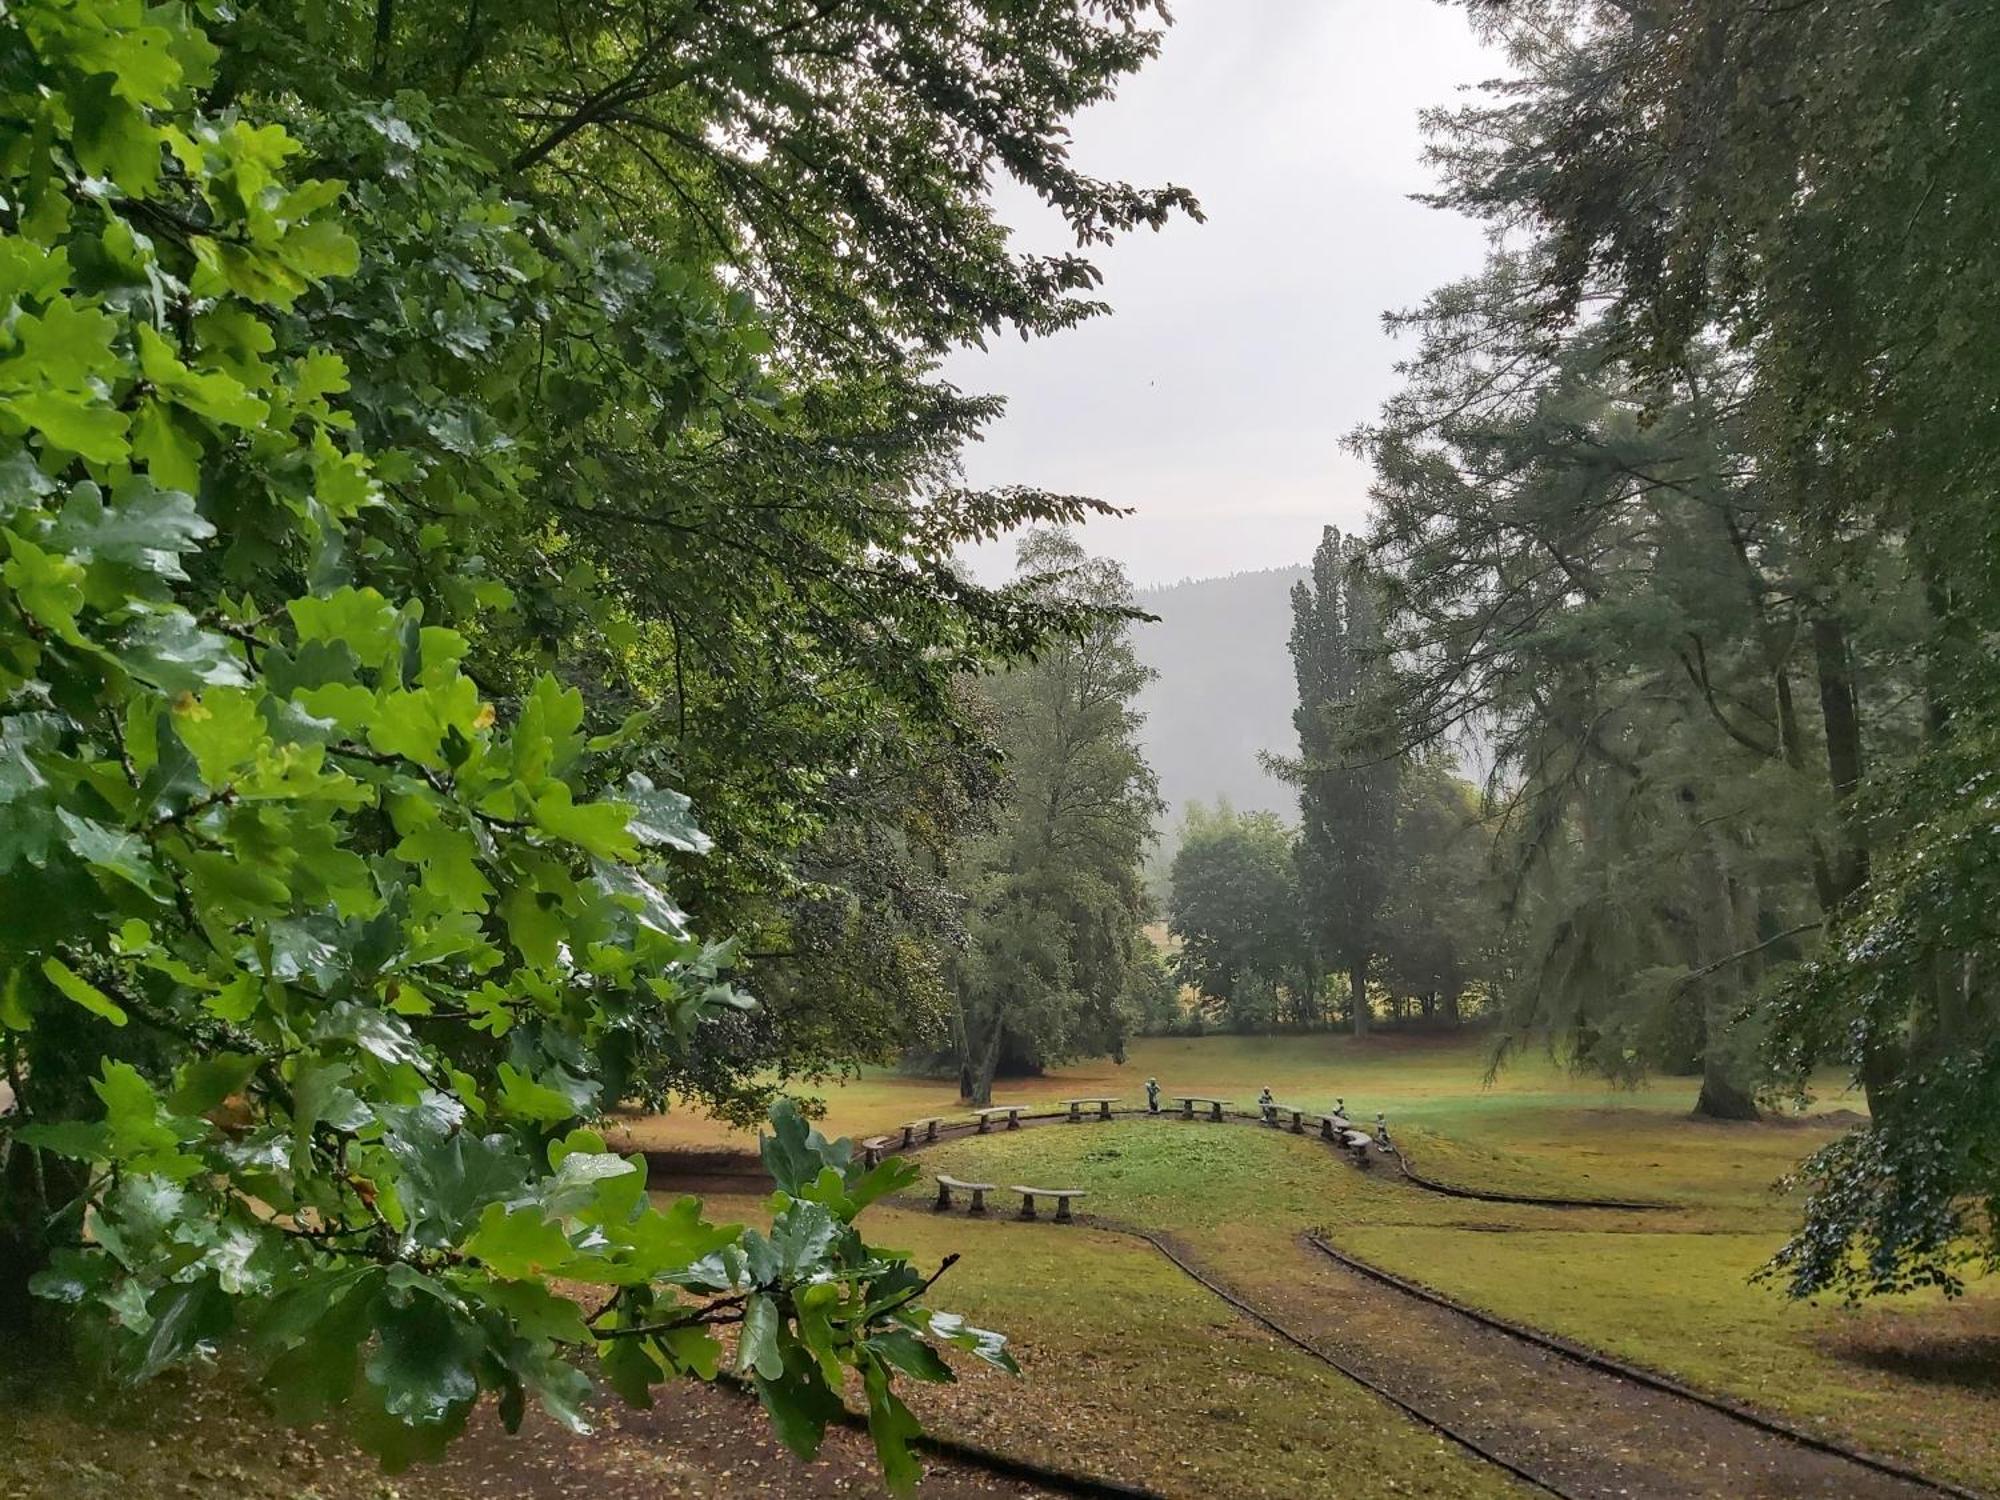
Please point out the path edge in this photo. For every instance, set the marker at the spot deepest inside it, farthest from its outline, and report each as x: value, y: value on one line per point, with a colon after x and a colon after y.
x: 1639, y: 1375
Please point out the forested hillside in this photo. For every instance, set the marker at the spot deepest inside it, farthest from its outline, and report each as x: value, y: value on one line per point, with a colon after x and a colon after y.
x: 1223, y: 692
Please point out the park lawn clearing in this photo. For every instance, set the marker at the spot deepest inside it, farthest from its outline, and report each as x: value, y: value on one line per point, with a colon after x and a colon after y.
x: 1432, y: 1080
x: 1670, y: 1291
x: 1132, y: 1372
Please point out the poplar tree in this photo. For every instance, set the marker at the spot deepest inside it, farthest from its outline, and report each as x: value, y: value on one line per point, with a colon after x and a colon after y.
x: 1345, y: 773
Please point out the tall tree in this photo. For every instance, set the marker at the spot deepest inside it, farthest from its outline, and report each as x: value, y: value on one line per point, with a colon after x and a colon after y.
x: 1585, y: 562
x: 1345, y: 773
x: 1055, y: 895
x: 1813, y: 195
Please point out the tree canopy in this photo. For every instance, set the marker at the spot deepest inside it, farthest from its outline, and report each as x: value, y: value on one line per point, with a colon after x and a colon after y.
x: 1055, y: 961
x: 434, y: 442
x: 1686, y: 502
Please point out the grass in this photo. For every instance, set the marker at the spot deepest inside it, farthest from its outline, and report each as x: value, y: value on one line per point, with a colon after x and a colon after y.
x: 1135, y: 1373
x: 1432, y: 1080
x: 1913, y: 1376
x: 1132, y: 1372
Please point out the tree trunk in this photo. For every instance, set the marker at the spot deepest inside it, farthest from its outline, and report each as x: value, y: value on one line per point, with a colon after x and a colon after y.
x: 1357, y: 991
x: 989, y: 1064
x: 1716, y: 938
x: 1450, y: 998
x: 1881, y: 1059
x: 33, y: 1187
x: 962, y: 1036
x: 1841, y: 711
x: 1721, y: 1097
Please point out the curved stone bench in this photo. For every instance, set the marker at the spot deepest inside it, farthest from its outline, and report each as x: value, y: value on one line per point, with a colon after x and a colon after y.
x: 929, y: 1126
x: 1011, y: 1111
x: 1061, y: 1195
x: 946, y: 1185
x: 1102, y: 1101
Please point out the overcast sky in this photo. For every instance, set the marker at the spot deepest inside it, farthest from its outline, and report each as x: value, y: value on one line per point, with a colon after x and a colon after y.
x: 1213, y: 399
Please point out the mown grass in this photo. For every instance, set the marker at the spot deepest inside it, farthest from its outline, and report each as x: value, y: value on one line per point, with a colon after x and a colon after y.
x: 1132, y: 1372
x: 1913, y: 1376
x: 1432, y: 1080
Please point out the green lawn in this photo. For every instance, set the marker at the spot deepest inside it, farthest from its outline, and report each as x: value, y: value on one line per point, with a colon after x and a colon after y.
x: 1432, y: 1080
x: 1672, y: 1291
x: 1132, y: 1372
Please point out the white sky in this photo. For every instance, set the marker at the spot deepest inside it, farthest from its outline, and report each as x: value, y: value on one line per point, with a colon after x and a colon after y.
x: 1212, y: 401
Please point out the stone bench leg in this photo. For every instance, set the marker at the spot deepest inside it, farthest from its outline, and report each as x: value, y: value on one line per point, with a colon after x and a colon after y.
x: 1298, y: 1123
x: 909, y: 1135
x: 1075, y: 1113
x: 978, y: 1201
x: 1013, y: 1119
x: 983, y: 1123
x: 930, y: 1131
x: 943, y: 1199
x: 1215, y: 1111
x: 1104, y: 1109
x: 1326, y: 1130
x: 1187, y: 1109
x: 1062, y: 1210
x: 1027, y: 1205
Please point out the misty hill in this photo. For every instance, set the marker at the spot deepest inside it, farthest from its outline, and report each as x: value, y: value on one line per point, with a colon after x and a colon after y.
x: 1224, y: 691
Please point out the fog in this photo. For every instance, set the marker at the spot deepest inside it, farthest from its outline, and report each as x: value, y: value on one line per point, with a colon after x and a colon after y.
x: 1213, y: 400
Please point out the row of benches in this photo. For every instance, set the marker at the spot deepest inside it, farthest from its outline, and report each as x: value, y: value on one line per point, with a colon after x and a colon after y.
x: 1332, y: 1127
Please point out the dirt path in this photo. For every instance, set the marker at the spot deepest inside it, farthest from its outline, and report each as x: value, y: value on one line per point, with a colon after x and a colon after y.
x: 1583, y: 1431
x: 697, y: 1441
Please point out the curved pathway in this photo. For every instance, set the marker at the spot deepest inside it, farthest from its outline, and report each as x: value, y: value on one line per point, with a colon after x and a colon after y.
x: 1561, y: 1419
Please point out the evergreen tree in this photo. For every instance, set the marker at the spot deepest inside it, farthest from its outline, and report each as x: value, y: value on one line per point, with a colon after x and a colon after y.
x: 1815, y: 198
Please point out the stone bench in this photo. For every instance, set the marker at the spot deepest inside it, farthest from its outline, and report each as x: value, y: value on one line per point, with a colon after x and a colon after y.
x: 872, y: 1150
x: 1011, y: 1111
x: 1102, y: 1101
x: 979, y: 1190
x: 1298, y: 1112
x: 1357, y: 1142
x: 1331, y: 1126
x: 1061, y: 1195
x: 929, y: 1127
x: 1189, y: 1101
